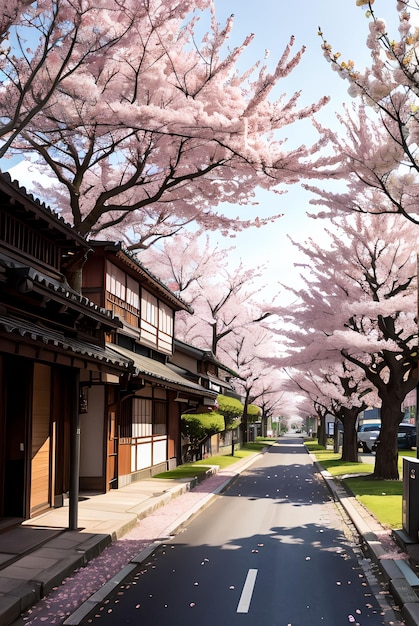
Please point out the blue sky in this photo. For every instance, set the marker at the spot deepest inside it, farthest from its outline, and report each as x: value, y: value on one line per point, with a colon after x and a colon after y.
x: 345, y: 27
x: 273, y: 22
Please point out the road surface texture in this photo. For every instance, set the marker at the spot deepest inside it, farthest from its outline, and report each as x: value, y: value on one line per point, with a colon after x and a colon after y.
x: 273, y: 550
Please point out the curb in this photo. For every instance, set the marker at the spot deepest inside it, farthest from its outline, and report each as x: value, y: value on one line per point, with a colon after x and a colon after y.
x: 402, y: 581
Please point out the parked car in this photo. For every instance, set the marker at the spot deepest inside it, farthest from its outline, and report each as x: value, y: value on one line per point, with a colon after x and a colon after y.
x: 406, y: 437
x: 367, y: 435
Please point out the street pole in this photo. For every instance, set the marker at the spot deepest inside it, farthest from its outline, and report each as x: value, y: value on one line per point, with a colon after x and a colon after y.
x: 74, y: 459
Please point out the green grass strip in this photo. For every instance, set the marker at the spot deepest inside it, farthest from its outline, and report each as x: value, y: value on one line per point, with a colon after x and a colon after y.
x: 383, y: 498
x: 190, y: 470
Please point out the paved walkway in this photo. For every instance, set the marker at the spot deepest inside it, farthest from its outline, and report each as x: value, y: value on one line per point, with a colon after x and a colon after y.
x: 42, y: 565
x: 64, y: 574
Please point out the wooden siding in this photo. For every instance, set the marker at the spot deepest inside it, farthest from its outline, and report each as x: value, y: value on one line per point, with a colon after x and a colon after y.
x: 41, y: 439
x: 17, y: 234
x: 124, y: 458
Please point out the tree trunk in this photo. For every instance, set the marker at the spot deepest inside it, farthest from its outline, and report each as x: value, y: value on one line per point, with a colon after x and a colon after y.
x: 244, y: 420
x: 336, y: 436
x: 350, y: 439
x: 386, y: 460
x: 393, y: 382
x: 321, y: 433
x: 264, y: 425
x: 350, y: 444
x: 74, y: 271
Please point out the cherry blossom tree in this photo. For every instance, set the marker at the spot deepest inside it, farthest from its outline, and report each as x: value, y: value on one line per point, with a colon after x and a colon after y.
x: 185, y: 261
x: 11, y: 11
x: 349, y: 393
x: 156, y: 132
x: 44, y: 46
x: 227, y: 316
x: 339, y: 389
x: 256, y: 381
x: 271, y: 401
x: 379, y: 146
x: 224, y: 299
x: 360, y: 299
x: 310, y: 399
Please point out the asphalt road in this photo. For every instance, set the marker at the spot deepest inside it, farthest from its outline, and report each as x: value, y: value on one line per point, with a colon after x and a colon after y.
x: 273, y: 550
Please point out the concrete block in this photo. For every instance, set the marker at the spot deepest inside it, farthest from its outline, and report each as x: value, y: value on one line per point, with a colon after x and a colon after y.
x: 407, y: 572
x: 410, y: 614
x: 10, y: 609
x: 402, y: 592
x: 76, y: 618
x: 389, y: 569
x: 54, y: 576
x: 28, y: 594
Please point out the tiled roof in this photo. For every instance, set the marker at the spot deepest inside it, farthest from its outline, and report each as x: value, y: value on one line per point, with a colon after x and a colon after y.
x: 154, y: 369
x: 61, y: 288
x: 53, y: 338
x: 10, y: 185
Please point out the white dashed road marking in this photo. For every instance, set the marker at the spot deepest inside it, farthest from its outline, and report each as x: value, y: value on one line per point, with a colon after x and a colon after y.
x: 246, y: 597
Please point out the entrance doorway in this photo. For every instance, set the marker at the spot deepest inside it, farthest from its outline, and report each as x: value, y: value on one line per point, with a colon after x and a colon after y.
x: 17, y: 392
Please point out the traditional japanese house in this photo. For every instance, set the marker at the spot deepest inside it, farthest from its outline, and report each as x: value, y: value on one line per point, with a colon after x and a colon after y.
x: 141, y: 432
x: 51, y: 338
x: 203, y: 367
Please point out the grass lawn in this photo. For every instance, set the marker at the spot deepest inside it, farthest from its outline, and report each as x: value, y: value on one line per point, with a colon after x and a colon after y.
x: 382, y: 497
x: 190, y: 470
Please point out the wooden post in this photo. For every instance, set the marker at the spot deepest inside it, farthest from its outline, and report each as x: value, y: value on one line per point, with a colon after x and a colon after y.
x: 73, y: 512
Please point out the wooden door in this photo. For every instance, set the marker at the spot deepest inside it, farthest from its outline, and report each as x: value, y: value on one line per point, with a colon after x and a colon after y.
x: 112, y: 441
x: 40, y: 498
x: 111, y: 470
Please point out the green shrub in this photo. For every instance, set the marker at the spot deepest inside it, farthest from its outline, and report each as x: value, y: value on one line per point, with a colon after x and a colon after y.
x: 231, y: 409
x: 198, y: 426
x: 253, y: 413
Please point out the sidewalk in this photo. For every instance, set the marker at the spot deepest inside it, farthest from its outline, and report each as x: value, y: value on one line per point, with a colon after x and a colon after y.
x: 37, y: 556
x: 42, y: 563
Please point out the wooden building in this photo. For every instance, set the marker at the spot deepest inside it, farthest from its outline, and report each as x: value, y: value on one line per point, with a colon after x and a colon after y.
x: 201, y: 366
x: 88, y: 398
x: 51, y: 337
x: 140, y: 429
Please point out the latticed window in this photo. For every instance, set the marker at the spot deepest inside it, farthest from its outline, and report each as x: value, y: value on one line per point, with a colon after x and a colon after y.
x: 133, y: 296
x: 160, y: 418
x: 123, y: 294
x: 125, y: 417
x: 166, y: 319
x: 149, y: 308
x: 115, y: 281
x: 142, y: 417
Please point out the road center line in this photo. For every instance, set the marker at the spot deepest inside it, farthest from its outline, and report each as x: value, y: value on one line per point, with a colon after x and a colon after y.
x: 246, y: 597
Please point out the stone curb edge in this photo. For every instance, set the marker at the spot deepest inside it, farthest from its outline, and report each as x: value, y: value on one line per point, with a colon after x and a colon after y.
x: 401, y: 579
